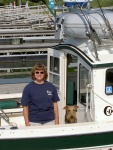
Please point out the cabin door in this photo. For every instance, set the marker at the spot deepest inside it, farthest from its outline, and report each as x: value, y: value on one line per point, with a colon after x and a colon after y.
x: 78, y: 93
x: 56, y: 75
x: 85, y: 99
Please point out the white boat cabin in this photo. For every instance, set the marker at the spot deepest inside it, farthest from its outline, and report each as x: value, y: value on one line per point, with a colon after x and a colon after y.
x: 82, y: 82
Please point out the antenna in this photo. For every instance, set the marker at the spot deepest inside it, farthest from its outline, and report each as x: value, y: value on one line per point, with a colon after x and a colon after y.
x: 91, y: 28
x: 94, y: 35
x: 106, y: 21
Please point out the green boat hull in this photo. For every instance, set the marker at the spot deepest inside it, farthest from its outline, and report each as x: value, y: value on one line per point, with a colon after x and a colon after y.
x: 63, y: 142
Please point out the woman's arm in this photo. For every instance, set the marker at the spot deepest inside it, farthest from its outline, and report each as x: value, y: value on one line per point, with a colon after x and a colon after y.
x: 55, y: 104
x: 25, y: 113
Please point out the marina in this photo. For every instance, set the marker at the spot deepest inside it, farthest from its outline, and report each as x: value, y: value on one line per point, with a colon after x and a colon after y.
x: 78, y: 54
x: 23, y: 16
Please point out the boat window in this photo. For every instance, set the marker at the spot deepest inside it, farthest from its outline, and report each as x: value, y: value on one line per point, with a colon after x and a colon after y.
x: 109, y: 82
x: 84, y: 79
x: 54, y: 71
x: 54, y: 64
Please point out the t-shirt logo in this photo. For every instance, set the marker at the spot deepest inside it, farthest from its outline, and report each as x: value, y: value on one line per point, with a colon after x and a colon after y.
x: 49, y: 92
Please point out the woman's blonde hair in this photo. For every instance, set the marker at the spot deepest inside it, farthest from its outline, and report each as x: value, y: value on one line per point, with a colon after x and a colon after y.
x: 39, y: 67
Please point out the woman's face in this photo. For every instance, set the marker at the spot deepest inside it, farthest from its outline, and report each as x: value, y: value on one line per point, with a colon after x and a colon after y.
x: 39, y: 75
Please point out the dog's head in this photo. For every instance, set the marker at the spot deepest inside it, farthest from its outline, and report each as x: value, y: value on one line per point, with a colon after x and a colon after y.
x: 71, y: 113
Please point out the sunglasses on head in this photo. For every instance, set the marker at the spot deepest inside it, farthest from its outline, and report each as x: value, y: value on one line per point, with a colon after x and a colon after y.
x: 39, y: 72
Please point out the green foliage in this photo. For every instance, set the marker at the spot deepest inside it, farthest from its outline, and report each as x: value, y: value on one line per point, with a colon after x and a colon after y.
x: 103, y: 3
x: 94, y: 3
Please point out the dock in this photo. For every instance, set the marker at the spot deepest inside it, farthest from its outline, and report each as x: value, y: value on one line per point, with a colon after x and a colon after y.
x: 26, y: 28
x: 25, y: 36
x: 35, y: 17
x: 24, y: 33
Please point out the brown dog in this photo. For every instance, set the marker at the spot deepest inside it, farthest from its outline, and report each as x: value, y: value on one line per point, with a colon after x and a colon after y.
x: 70, y: 116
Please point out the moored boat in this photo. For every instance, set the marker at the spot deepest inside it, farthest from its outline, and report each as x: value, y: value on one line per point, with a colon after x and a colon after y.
x: 81, y: 69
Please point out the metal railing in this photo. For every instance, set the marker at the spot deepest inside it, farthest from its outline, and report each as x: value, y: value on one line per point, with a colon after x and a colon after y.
x: 33, y: 15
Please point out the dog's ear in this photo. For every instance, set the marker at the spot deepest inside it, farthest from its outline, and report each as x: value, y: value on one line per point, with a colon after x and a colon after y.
x: 66, y: 107
x: 76, y: 107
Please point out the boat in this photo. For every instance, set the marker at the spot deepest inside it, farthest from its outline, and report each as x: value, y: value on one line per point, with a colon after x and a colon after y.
x: 81, y: 68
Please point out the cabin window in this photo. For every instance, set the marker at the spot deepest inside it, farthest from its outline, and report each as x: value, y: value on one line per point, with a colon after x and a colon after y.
x: 109, y: 82
x: 54, y: 71
x: 84, y: 79
x: 54, y: 64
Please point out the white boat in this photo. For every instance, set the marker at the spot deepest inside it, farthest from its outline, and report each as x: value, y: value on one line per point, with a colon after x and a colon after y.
x: 85, y: 80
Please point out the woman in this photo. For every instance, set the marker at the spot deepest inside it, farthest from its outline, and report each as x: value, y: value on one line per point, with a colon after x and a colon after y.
x: 39, y: 99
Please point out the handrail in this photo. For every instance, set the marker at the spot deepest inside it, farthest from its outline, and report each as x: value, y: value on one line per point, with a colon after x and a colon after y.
x: 6, y: 119
x: 4, y: 116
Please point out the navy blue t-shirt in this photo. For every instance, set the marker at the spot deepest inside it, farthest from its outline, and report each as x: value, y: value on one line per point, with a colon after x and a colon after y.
x: 40, y: 98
